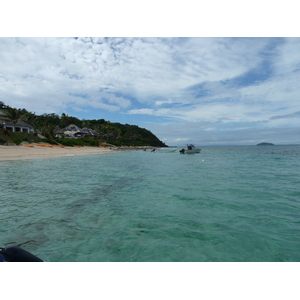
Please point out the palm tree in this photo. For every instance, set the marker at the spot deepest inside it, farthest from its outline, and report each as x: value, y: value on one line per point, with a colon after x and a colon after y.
x: 13, y: 115
x: 86, y: 123
x: 2, y: 105
x: 32, y: 119
x: 48, y: 130
x: 64, y: 120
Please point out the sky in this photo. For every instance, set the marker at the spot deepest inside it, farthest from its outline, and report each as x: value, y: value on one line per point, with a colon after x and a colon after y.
x: 206, y: 91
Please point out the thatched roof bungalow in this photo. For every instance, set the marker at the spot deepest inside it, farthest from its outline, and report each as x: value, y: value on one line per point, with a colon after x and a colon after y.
x: 75, y: 131
x: 69, y: 130
x: 89, y: 132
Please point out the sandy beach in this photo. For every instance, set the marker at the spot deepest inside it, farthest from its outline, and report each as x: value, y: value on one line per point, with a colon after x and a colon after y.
x: 24, y: 152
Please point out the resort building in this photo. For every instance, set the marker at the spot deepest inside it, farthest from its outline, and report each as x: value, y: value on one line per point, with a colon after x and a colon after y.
x: 76, y: 132
x: 19, y: 126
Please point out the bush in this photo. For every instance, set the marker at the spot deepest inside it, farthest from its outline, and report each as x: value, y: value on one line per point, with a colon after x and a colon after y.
x: 16, y: 141
x: 49, y: 141
x: 70, y: 142
x: 78, y: 142
x: 90, y: 142
x: 7, y: 132
x: 66, y: 142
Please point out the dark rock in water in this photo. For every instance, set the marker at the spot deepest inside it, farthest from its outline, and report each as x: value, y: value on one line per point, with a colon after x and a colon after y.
x: 265, y: 144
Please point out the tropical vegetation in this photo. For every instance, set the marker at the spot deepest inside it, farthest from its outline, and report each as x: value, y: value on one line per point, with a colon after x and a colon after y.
x: 46, y: 124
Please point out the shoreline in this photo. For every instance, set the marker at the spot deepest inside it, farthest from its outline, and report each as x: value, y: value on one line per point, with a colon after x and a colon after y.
x: 13, y: 152
x: 20, y: 152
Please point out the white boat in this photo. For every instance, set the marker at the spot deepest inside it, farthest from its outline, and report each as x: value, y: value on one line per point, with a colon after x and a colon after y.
x: 166, y: 150
x: 190, y: 149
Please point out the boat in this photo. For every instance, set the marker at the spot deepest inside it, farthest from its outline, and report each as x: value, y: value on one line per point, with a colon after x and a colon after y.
x: 166, y: 150
x: 190, y: 149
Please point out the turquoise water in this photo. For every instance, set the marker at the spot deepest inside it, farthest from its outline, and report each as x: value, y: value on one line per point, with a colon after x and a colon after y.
x: 239, y: 203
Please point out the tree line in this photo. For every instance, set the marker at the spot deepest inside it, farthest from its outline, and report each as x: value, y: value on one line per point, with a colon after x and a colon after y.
x: 112, y: 132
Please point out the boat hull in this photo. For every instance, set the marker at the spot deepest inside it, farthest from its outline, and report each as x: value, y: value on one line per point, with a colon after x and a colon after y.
x: 166, y: 150
x: 192, y: 151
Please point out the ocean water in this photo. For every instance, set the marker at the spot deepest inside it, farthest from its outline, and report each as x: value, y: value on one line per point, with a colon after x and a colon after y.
x: 238, y: 203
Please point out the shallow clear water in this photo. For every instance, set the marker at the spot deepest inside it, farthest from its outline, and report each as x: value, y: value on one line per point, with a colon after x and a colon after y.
x: 238, y: 203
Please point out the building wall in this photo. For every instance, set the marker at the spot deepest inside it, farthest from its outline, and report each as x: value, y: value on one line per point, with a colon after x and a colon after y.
x: 17, y: 128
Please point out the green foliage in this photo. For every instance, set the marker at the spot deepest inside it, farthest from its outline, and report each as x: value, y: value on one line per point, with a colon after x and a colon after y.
x: 78, y: 142
x: 2, y: 105
x: 16, y: 141
x: 71, y: 142
x: 6, y: 132
x: 50, y: 141
x: 66, y: 142
x: 2, y: 141
x: 19, y: 137
x: 91, y: 142
x: 113, y: 133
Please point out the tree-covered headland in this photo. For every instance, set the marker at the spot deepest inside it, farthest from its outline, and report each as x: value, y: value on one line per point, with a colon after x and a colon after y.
x: 47, y: 125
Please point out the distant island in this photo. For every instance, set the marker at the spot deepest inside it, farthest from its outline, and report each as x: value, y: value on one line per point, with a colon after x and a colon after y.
x: 265, y: 144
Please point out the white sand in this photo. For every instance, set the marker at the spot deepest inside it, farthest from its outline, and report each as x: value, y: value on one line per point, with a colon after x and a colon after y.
x: 22, y: 152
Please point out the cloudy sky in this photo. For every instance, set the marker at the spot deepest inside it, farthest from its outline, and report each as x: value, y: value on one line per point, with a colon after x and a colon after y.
x: 208, y: 91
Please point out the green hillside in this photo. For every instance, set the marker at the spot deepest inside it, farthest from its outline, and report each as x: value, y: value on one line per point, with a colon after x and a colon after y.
x: 46, y: 124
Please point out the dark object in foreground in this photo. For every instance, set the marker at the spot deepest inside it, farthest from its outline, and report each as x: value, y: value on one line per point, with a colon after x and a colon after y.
x: 16, y: 254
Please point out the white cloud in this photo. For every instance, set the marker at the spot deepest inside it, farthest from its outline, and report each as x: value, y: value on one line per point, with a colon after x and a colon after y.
x: 142, y: 111
x: 144, y: 67
x: 287, y: 59
x: 189, y: 80
x: 180, y: 140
